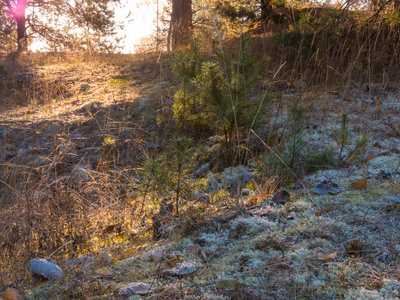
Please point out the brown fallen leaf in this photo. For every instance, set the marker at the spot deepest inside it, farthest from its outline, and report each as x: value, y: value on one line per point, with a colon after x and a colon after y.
x: 377, y: 145
x: 252, y: 202
x: 361, y: 184
x: 328, y: 256
x: 395, y: 150
x: 326, y: 209
x: 369, y: 157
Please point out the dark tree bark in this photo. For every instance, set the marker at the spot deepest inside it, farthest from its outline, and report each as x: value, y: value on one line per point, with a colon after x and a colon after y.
x: 21, y: 24
x: 266, y: 9
x: 181, y: 23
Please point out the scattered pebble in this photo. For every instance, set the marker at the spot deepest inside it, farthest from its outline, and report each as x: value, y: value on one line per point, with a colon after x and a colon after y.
x: 281, y: 197
x: 136, y: 288
x: 156, y: 256
x: 327, y: 187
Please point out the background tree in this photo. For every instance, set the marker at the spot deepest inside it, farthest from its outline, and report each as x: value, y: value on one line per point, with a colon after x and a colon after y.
x: 181, y: 25
x: 71, y: 24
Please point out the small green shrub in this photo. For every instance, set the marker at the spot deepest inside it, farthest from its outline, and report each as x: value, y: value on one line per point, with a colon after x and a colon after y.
x: 216, y: 92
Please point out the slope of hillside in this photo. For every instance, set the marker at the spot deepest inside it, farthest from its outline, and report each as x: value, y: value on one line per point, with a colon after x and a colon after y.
x: 76, y: 137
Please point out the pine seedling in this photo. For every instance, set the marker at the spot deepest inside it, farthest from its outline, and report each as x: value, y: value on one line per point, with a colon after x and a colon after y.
x: 296, y: 145
x: 344, y: 134
x: 179, y: 165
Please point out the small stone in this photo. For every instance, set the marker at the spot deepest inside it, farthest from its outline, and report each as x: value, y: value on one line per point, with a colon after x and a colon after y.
x: 136, y: 288
x: 327, y: 187
x: 84, y: 87
x: 156, y: 256
x: 45, y: 268
x: 291, y: 216
x: 194, y: 248
x: 204, y: 168
x: 12, y: 294
x: 226, y: 283
x: 133, y: 84
x: 281, y: 197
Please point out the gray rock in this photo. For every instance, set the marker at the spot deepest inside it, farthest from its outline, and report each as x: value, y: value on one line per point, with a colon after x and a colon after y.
x: 136, y: 288
x: 45, y: 268
x: 246, y: 176
x: 133, y: 84
x: 156, y: 256
x: 204, y: 168
x: 281, y: 197
x: 327, y: 187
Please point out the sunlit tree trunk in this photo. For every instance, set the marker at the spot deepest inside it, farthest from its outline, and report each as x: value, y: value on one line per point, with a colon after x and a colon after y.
x: 21, y: 24
x: 181, y: 23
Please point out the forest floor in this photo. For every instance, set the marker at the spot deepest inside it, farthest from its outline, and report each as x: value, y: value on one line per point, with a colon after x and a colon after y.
x: 74, y: 133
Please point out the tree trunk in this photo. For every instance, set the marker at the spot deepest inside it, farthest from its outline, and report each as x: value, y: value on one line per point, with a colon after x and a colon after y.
x: 181, y: 23
x: 266, y: 9
x: 21, y: 24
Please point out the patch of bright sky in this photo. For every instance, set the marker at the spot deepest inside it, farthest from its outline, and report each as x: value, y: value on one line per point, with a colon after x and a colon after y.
x: 138, y: 18
x: 141, y: 23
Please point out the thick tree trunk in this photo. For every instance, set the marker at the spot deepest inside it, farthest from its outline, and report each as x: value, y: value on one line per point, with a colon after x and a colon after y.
x: 21, y: 24
x: 266, y: 9
x: 181, y: 23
